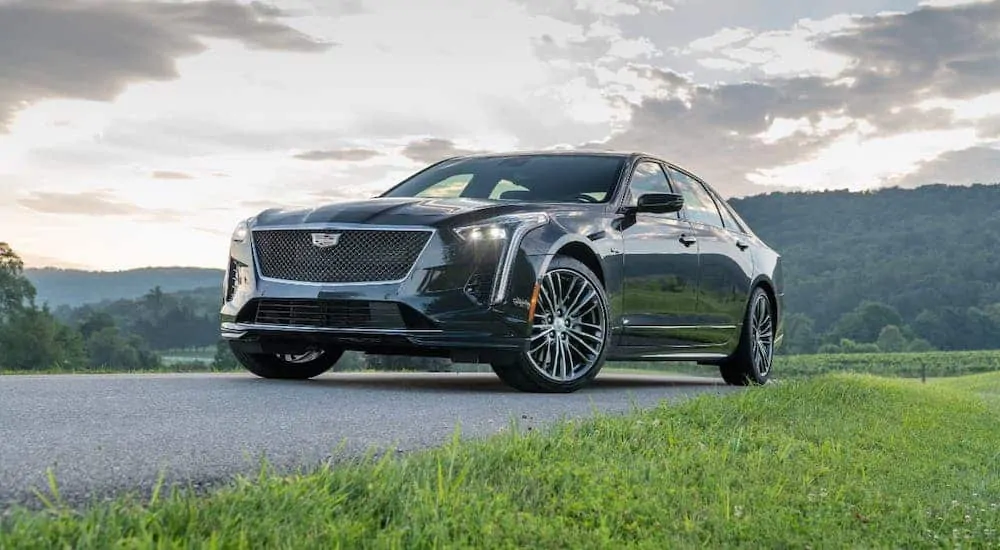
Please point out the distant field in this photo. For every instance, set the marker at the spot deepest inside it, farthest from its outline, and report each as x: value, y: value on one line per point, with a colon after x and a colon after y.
x: 835, y: 461
x: 188, y: 356
x: 908, y: 365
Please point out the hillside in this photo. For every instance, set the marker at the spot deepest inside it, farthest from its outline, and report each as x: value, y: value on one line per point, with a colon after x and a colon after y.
x: 72, y: 287
x: 930, y: 253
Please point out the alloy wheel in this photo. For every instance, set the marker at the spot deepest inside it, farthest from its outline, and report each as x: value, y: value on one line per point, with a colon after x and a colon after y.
x: 762, y: 335
x: 570, y: 326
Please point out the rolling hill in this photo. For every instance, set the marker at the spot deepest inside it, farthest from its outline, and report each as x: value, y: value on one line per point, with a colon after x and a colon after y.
x: 71, y: 287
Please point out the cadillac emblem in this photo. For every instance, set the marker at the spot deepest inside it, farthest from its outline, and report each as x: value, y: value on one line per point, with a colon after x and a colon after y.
x: 325, y: 240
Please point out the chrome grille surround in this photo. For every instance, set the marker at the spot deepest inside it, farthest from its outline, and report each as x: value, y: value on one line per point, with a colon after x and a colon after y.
x: 363, y: 254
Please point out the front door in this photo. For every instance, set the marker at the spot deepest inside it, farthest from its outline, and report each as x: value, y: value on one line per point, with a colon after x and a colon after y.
x: 726, y: 263
x: 660, y: 286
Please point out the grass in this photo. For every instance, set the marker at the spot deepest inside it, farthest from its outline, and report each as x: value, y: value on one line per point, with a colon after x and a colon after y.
x: 834, y: 461
x: 906, y: 365
x: 985, y: 385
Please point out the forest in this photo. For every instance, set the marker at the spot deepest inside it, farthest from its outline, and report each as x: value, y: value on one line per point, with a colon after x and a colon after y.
x: 893, y: 270
x: 923, y: 260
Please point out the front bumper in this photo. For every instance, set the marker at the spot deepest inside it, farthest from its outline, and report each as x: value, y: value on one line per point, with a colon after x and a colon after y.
x: 441, y: 314
x: 460, y: 346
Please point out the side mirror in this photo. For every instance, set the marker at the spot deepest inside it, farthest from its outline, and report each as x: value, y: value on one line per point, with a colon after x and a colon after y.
x: 660, y: 203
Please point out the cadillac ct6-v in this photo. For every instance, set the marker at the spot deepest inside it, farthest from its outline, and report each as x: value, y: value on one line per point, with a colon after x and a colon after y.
x: 543, y: 265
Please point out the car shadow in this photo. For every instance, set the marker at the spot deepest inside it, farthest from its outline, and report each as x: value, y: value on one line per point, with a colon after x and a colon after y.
x: 485, y: 382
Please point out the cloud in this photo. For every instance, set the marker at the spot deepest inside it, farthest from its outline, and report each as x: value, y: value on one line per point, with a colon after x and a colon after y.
x: 93, y: 50
x: 620, y: 7
x: 350, y: 155
x: 89, y: 203
x: 170, y: 175
x: 964, y: 167
x: 818, y: 130
x: 795, y: 51
x: 430, y: 150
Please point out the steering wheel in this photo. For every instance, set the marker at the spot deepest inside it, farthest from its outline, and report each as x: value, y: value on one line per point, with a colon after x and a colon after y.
x: 585, y: 198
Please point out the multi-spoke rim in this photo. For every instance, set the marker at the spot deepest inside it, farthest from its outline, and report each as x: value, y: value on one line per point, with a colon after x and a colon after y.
x: 299, y: 358
x: 569, y: 329
x: 762, y: 335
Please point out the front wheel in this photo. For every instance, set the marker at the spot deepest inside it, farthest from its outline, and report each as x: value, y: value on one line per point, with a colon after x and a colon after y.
x: 569, y: 333
x: 751, y: 362
x: 301, y: 366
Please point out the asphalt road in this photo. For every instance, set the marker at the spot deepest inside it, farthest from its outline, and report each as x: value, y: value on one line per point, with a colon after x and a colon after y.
x: 107, y: 434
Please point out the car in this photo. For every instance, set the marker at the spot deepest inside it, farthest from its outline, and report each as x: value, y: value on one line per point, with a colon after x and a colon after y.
x: 542, y: 264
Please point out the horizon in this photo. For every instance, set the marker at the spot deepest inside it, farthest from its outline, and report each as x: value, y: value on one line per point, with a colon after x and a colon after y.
x: 148, y: 129
x: 221, y: 269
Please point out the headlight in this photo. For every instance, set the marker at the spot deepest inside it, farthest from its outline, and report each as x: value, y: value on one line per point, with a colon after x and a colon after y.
x: 500, y: 228
x: 241, y: 231
x: 507, y: 232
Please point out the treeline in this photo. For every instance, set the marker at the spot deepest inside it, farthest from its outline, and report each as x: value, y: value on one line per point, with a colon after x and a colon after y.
x: 875, y: 327
x: 125, y: 334
x: 924, y: 261
x: 188, y: 319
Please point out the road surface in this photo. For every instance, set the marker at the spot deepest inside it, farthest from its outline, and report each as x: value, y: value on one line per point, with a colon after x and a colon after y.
x: 107, y: 434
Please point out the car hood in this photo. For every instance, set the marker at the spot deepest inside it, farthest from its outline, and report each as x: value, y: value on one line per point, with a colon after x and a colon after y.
x: 394, y: 211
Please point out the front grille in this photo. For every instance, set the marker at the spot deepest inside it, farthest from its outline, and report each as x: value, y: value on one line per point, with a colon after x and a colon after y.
x: 329, y: 313
x: 360, y: 255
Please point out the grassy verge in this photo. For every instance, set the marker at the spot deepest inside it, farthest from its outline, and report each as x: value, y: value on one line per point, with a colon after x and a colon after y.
x: 831, y: 462
x: 907, y: 365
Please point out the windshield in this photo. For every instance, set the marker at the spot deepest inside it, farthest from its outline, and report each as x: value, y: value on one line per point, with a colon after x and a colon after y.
x: 532, y: 178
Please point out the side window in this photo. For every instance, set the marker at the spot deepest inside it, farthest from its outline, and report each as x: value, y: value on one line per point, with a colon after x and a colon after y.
x: 727, y: 217
x: 698, y: 204
x: 648, y: 177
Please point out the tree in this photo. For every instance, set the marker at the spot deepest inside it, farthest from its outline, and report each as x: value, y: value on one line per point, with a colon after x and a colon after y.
x: 32, y: 339
x: 866, y: 321
x: 16, y: 292
x: 919, y: 345
x: 110, y: 349
x: 891, y: 339
x: 799, y: 334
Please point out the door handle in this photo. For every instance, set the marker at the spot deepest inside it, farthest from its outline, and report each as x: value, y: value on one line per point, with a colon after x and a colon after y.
x: 742, y: 245
x: 687, y: 241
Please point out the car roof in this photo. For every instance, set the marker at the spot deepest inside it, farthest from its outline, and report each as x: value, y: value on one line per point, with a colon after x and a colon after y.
x: 558, y: 152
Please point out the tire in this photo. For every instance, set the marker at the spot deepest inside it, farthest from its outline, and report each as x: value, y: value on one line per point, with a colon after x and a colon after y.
x: 548, y: 366
x: 746, y: 366
x: 288, y: 367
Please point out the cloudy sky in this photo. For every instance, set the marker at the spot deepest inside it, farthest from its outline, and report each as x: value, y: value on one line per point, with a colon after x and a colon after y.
x: 138, y: 133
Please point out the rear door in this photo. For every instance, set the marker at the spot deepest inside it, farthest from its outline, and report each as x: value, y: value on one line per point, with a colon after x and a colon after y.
x: 726, y: 264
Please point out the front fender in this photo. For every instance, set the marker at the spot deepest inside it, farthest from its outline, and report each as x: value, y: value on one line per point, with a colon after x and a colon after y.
x: 541, y: 245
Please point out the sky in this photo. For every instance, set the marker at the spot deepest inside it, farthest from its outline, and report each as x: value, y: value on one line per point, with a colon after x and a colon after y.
x: 138, y: 133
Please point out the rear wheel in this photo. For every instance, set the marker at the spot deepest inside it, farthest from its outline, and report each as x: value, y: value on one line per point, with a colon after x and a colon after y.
x: 569, y: 335
x: 751, y: 362
x: 300, y: 366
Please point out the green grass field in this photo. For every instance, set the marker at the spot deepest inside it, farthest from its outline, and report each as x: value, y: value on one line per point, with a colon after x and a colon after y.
x: 835, y: 461
x: 907, y: 365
